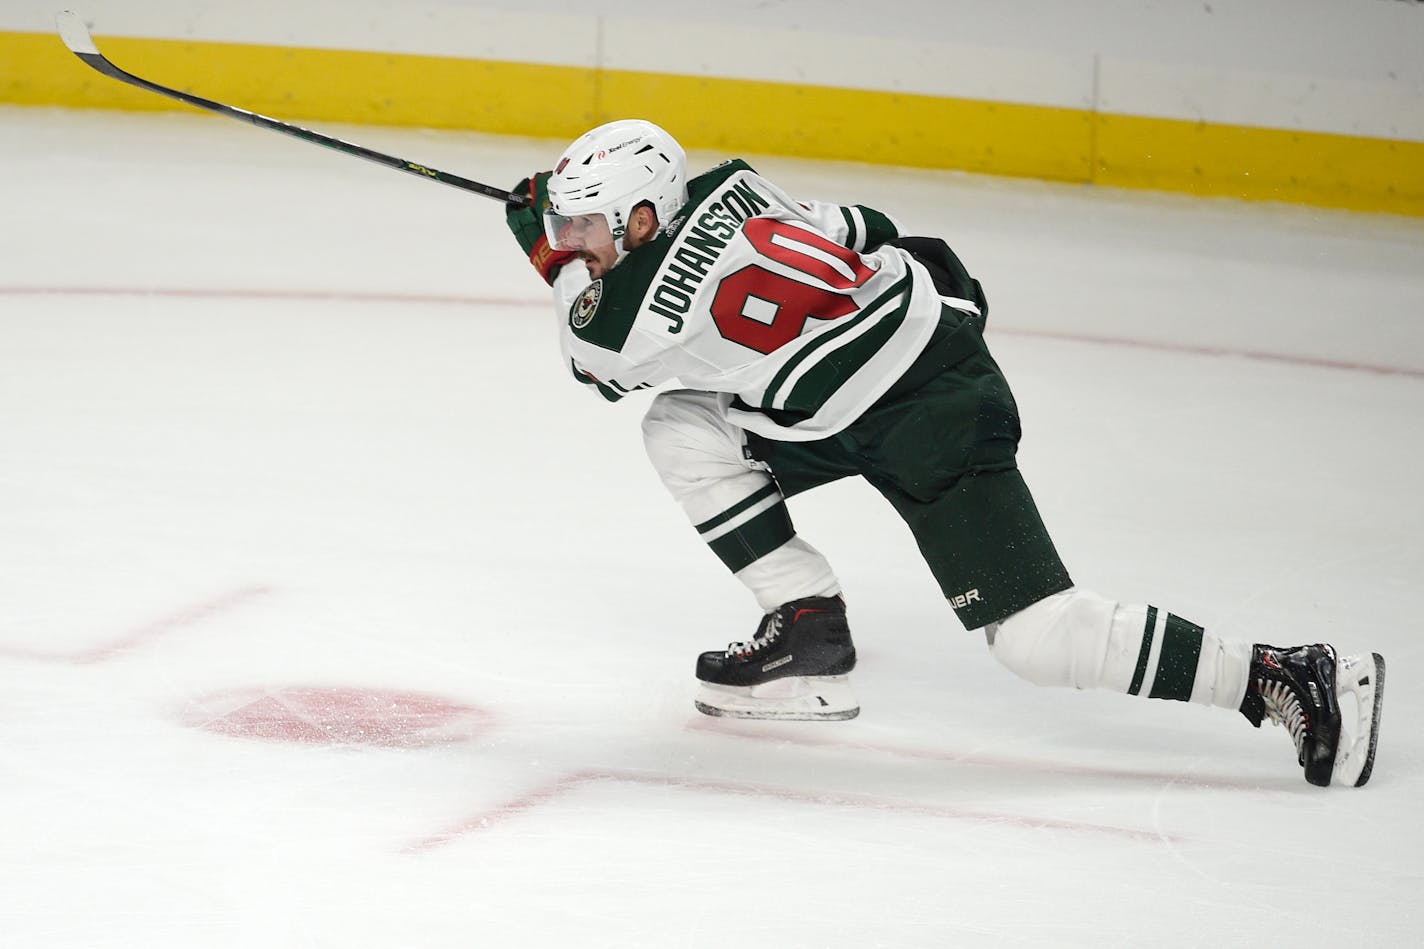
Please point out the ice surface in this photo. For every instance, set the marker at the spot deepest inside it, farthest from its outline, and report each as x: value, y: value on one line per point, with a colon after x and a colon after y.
x: 332, y: 613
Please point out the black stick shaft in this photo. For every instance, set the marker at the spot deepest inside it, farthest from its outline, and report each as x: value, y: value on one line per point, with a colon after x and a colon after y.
x: 76, y: 36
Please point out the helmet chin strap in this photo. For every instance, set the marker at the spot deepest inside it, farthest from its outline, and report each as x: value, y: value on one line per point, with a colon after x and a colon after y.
x: 619, y: 247
x: 618, y: 242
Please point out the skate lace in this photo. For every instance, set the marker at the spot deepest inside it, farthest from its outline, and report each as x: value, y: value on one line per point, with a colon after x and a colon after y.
x: 769, y: 632
x: 1284, y: 708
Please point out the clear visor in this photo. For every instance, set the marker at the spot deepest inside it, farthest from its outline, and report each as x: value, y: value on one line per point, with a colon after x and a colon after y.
x: 577, y: 232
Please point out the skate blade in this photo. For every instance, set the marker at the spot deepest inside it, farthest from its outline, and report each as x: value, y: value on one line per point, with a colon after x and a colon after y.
x: 1359, y: 680
x: 792, y: 699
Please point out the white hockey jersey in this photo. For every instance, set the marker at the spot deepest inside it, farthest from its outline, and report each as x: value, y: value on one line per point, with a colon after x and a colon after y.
x: 749, y: 292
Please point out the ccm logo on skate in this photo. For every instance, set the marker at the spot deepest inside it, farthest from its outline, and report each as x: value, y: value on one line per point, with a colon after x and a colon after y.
x: 961, y: 600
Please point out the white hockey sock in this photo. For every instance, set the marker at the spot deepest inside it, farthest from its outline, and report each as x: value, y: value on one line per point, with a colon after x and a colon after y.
x: 793, y: 570
x: 1078, y: 639
x: 751, y: 533
x: 734, y: 505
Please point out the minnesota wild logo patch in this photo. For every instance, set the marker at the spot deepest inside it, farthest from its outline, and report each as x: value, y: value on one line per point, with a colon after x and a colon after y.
x: 583, y: 309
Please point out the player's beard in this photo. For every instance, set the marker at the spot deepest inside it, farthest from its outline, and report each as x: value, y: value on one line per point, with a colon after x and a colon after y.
x: 595, y: 266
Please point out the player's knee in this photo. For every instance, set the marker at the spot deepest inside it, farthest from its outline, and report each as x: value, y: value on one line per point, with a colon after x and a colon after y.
x: 1062, y: 640
x: 689, y: 441
x: 678, y: 425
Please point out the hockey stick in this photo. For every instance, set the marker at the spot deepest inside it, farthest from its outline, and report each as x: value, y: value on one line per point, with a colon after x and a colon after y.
x: 76, y: 36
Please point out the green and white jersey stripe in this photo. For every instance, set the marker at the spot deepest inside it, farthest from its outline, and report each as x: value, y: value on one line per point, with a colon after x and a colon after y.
x: 794, y: 307
x: 866, y: 227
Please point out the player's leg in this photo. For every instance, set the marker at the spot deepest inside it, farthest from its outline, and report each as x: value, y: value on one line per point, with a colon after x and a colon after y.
x: 732, y: 502
x: 990, y: 553
x: 1078, y: 639
x: 982, y: 537
x: 794, y: 665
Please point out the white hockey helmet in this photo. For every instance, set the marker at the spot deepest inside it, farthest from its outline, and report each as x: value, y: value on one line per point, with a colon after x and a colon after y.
x: 609, y: 172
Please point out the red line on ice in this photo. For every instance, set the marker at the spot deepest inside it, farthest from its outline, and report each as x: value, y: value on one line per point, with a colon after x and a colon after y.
x: 573, y: 781
x: 721, y: 727
x: 188, y: 616
x: 529, y: 302
x: 1311, y: 361
x: 299, y: 296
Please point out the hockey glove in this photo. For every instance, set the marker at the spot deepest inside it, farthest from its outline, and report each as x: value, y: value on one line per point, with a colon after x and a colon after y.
x: 527, y: 225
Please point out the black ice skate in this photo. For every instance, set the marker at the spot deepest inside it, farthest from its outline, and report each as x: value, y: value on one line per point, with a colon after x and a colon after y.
x: 1303, y: 688
x: 794, y: 668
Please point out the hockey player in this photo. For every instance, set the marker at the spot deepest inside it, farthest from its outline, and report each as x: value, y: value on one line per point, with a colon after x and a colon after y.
x: 818, y: 341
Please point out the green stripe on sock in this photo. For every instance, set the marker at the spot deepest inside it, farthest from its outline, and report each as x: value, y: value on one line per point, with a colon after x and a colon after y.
x: 735, y: 509
x: 754, y: 539
x: 1145, y: 652
x: 1177, y: 666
